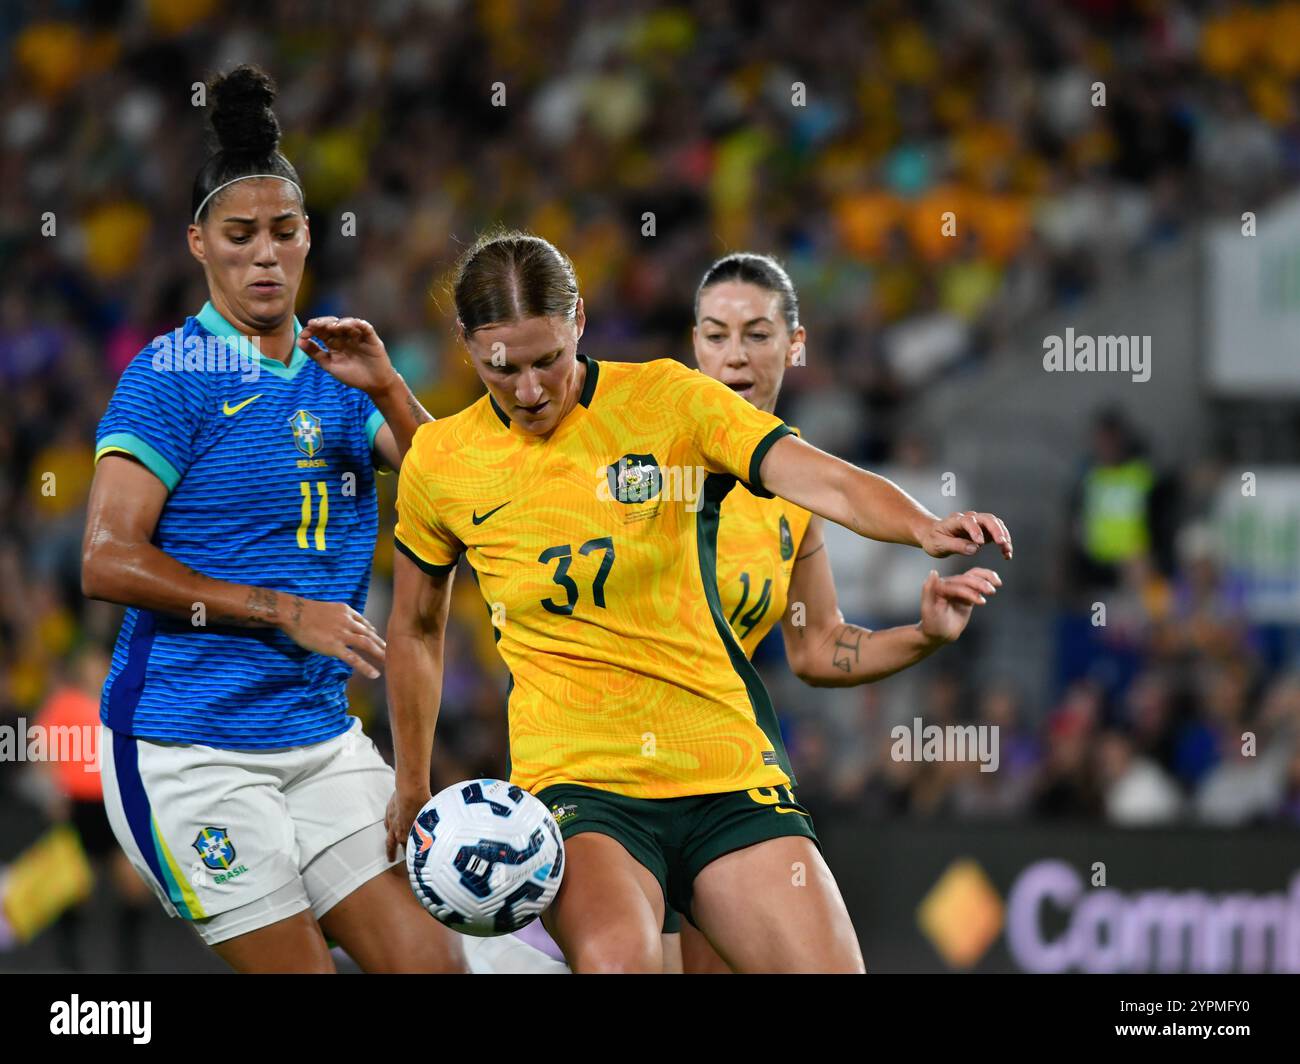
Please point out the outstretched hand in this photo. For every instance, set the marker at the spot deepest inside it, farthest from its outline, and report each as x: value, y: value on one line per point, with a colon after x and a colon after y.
x: 352, y: 352
x: 399, y: 819
x: 336, y: 629
x: 965, y: 533
x: 948, y: 601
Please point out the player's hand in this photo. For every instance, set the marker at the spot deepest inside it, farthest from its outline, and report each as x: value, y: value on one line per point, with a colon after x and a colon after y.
x: 336, y: 629
x: 353, y: 352
x: 402, y: 810
x: 947, y: 601
x: 965, y: 533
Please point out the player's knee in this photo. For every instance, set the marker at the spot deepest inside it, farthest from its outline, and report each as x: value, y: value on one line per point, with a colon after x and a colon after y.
x: 396, y: 947
x: 439, y: 953
x: 443, y: 962
x: 616, y: 962
x: 410, y: 958
x: 847, y: 962
x: 618, y: 954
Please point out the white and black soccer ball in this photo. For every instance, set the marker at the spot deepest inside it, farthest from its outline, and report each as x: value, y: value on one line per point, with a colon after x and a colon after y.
x: 485, y: 857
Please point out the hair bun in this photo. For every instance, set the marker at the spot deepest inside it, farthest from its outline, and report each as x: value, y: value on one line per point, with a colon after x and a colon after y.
x: 241, y: 113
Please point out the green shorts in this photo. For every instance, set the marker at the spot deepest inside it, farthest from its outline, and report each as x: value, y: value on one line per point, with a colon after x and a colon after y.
x: 674, y: 838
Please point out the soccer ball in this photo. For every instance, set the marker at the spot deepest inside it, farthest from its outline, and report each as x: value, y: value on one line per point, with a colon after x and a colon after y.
x: 485, y: 857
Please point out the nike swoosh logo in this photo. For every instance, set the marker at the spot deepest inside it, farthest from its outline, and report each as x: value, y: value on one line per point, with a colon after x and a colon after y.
x: 228, y: 410
x: 479, y: 520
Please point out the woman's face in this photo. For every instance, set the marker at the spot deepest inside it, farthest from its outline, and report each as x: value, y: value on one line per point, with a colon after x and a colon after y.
x: 742, y: 340
x: 253, y: 245
x: 530, y: 367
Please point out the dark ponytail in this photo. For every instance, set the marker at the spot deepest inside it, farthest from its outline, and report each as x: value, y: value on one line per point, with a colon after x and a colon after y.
x: 761, y: 270
x: 248, y: 135
x: 508, y: 276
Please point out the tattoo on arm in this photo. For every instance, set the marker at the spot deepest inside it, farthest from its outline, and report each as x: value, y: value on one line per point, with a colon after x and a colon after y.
x: 261, y: 607
x: 801, y: 557
x: 262, y: 604
x: 418, y: 413
x: 848, y: 640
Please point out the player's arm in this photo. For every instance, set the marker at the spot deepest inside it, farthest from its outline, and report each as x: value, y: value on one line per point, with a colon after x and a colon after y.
x: 354, y: 353
x: 402, y: 415
x: 417, y: 630
x: 390, y: 445
x: 824, y: 651
x: 119, y: 563
x: 869, y: 504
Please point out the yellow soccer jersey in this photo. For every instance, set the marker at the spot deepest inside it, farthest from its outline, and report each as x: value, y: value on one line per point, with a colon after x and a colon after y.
x: 758, y: 540
x: 595, y: 550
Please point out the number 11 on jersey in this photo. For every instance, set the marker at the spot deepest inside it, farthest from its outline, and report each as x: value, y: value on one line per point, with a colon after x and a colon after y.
x: 305, y: 525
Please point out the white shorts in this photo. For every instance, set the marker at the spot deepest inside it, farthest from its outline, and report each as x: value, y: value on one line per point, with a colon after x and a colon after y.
x: 234, y: 840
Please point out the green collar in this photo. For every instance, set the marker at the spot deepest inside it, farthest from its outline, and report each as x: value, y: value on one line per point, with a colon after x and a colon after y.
x: 588, y: 390
x: 589, y: 385
x: 210, y: 318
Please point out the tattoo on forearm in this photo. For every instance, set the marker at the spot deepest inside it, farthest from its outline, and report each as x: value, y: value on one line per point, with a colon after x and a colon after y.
x: 811, y: 552
x: 848, y: 640
x: 262, y: 604
x: 417, y: 411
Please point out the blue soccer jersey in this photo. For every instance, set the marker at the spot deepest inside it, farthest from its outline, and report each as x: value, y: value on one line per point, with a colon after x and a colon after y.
x: 271, y: 483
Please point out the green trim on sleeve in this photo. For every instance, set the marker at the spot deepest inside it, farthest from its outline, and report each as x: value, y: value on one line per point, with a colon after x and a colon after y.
x: 428, y: 567
x: 146, y: 455
x: 755, y: 481
x: 374, y: 423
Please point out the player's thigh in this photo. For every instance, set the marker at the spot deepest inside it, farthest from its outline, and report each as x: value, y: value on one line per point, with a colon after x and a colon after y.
x: 697, y: 955
x: 342, y: 788
x: 361, y: 898
x: 672, y: 947
x: 609, y: 911
x: 378, y: 920
x: 384, y: 928
x: 688, y: 952
x: 775, y: 907
x: 293, y: 945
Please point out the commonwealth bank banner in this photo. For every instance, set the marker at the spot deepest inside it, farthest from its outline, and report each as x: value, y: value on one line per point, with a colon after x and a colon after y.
x: 1069, y: 898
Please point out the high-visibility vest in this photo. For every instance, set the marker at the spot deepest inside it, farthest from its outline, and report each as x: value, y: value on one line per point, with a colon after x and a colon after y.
x: 1115, y: 511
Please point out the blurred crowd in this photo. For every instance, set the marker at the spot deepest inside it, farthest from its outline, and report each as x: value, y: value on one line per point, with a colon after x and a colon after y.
x: 1191, y: 738
x: 1067, y: 139
x: 1171, y: 704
